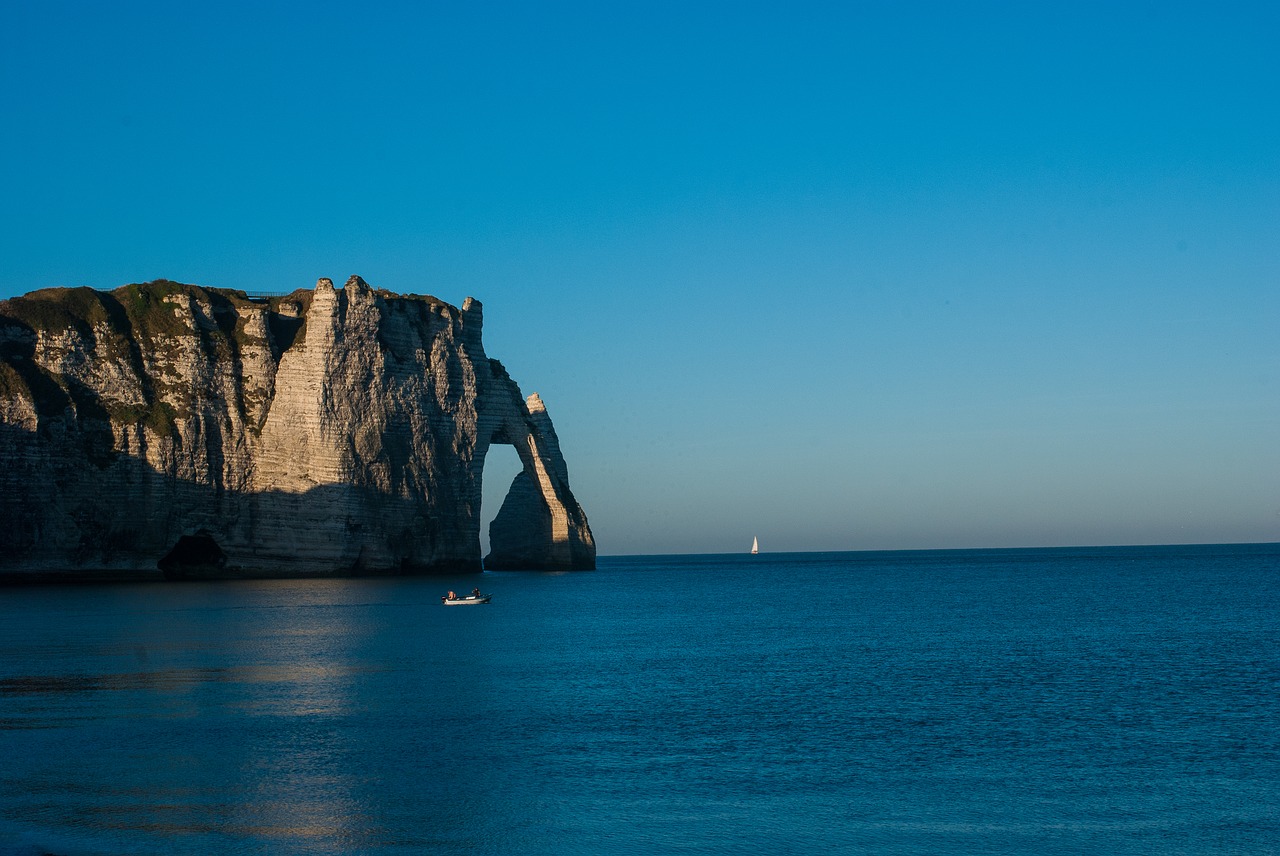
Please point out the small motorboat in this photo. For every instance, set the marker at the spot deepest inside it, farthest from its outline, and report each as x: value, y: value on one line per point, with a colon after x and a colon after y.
x: 472, y: 599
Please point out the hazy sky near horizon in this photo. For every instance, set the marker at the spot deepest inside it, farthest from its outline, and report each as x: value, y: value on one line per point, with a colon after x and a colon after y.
x: 843, y: 276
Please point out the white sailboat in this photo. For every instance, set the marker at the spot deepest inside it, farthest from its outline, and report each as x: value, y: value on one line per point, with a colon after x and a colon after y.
x: 755, y: 545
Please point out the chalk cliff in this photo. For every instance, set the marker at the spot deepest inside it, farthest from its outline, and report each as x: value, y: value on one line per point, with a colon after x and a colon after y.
x: 201, y: 432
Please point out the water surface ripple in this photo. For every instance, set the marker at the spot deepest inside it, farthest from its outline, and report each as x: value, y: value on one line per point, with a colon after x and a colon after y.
x: 1074, y: 701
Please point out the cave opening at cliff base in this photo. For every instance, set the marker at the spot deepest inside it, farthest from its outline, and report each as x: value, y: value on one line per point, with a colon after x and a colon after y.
x: 193, y: 555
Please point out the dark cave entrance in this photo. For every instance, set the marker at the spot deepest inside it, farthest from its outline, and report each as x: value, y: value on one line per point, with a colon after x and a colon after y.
x: 194, y: 556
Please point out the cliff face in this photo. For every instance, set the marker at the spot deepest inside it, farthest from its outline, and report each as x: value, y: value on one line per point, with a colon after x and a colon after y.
x: 198, y: 432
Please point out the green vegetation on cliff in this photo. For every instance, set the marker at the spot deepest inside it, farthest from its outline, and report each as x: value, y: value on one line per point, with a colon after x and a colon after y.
x: 141, y: 325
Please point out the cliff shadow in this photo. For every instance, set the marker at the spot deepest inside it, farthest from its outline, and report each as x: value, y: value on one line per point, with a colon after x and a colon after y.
x: 63, y: 519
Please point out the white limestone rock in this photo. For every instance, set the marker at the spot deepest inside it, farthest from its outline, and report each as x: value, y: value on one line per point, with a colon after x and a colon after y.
x: 204, y: 433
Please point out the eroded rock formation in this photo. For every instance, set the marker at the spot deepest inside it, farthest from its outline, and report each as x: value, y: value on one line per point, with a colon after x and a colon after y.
x: 205, y: 433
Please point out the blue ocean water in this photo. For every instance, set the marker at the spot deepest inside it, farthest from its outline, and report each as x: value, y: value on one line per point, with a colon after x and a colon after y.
x: 1066, y: 701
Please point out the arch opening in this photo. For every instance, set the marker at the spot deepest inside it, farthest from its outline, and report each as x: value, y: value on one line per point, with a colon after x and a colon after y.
x: 501, y: 466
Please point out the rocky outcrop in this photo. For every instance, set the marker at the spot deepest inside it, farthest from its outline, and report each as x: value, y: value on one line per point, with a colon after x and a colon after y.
x: 200, y: 432
x: 528, y: 530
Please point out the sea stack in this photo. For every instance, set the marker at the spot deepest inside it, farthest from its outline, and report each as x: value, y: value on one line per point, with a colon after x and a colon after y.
x: 163, y: 428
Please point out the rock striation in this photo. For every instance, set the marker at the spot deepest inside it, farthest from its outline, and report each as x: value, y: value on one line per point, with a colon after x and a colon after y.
x: 200, y: 432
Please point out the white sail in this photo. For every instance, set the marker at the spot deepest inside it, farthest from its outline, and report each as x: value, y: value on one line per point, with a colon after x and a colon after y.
x: 755, y: 545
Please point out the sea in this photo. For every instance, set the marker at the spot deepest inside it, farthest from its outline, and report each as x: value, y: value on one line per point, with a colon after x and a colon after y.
x: 1019, y: 701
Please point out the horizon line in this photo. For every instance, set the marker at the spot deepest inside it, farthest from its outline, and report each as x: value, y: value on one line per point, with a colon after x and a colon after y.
x: 951, y: 549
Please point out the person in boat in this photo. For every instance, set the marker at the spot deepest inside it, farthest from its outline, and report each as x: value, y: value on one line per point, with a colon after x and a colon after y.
x: 475, y: 592
x: 453, y: 596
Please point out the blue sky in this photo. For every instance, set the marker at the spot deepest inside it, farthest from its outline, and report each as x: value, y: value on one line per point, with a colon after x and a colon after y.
x: 845, y: 276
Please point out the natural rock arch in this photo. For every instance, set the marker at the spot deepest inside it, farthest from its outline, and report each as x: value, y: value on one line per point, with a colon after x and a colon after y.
x: 540, y: 525
x: 331, y: 432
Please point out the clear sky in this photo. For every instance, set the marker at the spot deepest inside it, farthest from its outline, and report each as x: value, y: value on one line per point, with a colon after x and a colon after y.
x: 840, y: 275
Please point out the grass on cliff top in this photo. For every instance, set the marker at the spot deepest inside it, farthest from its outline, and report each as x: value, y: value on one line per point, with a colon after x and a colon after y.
x: 421, y: 298
x: 138, y: 306
x: 122, y: 325
x: 144, y: 312
x: 153, y: 315
x: 146, y: 307
x: 53, y: 309
x: 130, y: 323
